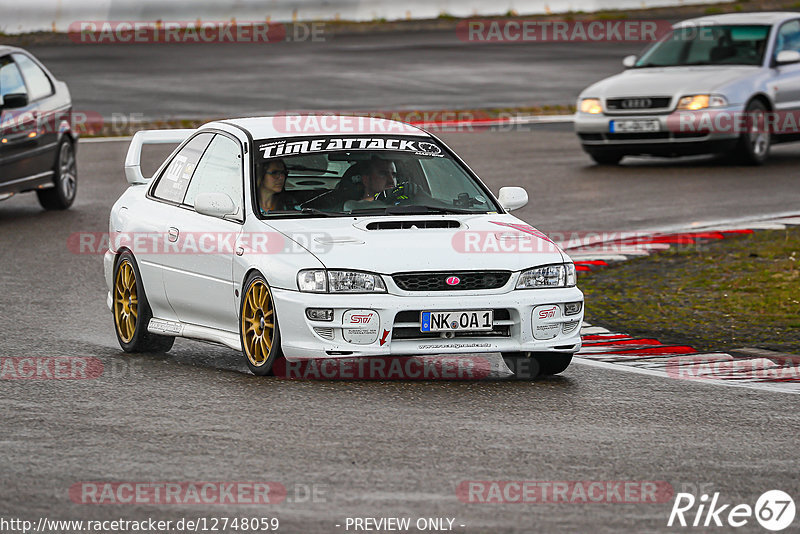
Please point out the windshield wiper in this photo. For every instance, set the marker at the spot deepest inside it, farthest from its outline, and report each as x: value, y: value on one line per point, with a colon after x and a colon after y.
x: 409, y: 210
x: 307, y: 211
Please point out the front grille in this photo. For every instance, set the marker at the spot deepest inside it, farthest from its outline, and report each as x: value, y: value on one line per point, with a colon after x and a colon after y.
x: 324, y: 332
x: 635, y: 103
x: 406, y: 326
x: 467, y: 280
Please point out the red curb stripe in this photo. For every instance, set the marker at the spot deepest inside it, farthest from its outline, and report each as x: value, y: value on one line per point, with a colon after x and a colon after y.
x: 582, y: 268
x: 592, y: 337
x: 591, y: 262
x: 624, y: 342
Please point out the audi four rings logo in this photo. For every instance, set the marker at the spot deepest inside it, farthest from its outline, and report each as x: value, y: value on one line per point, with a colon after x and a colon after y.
x: 636, y: 103
x: 453, y: 280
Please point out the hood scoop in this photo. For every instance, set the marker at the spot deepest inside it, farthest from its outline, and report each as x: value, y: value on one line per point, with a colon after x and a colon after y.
x: 413, y: 225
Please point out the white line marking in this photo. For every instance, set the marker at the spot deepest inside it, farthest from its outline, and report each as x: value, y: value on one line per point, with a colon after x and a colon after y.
x: 103, y: 139
x: 706, y: 381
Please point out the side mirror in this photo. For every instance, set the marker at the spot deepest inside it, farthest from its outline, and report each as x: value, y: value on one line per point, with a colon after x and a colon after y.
x: 14, y: 100
x: 214, y: 205
x: 787, y: 56
x: 512, y: 198
x: 629, y: 61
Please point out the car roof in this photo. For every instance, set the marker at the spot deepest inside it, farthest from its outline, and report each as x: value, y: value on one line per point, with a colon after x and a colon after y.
x: 768, y: 17
x: 314, y: 125
x: 5, y: 49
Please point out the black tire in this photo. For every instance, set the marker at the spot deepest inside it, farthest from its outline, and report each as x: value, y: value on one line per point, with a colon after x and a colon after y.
x: 753, y: 145
x: 522, y: 365
x: 529, y: 365
x: 130, y: 301
x: 606, y: 158
x: 261, y: 344
x: 553, y: 363
x: 65, y: 179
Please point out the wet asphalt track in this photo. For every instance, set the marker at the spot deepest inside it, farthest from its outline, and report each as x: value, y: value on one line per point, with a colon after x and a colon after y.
x: 380, y: 448
x: 382, y: 71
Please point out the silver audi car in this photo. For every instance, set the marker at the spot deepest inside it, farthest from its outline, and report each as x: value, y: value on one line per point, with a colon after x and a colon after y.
x: 724, y: 84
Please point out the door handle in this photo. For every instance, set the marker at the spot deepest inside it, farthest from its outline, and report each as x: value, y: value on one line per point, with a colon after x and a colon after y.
x: 172, y: 234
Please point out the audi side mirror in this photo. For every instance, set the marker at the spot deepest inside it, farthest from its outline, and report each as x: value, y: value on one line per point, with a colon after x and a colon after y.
x: 14, y: 100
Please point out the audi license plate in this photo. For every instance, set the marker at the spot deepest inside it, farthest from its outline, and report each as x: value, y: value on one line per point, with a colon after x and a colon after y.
x: 456, y: 321
x: 634, y: 126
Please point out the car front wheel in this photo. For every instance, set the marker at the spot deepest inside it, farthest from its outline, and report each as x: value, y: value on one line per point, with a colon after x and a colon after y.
x: 62, y: 195
x: 131, y: 311
x: 529, y: 365
x: 258, y: 326
x: 754, y: 143
x: 606, y: 158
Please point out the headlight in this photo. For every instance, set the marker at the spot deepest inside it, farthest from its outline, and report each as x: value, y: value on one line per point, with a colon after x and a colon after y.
x: 695, y: 102
x: 561, y: 275
x: 322, y: 281
x: 591, y: 105
x: 312, y: 281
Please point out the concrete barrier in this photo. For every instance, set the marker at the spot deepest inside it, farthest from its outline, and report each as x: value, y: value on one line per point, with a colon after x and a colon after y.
x: 57, y: 15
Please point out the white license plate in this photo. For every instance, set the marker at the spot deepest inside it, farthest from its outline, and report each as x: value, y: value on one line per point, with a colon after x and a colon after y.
x: 634, y: 126
x: 456, y: 321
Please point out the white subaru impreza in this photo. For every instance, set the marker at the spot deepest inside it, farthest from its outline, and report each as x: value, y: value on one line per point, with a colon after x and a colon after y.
x: 332, y: 237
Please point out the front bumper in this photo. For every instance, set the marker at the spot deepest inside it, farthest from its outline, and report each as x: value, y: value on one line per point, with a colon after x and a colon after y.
x: 397, y: 332
x: 671, y: 140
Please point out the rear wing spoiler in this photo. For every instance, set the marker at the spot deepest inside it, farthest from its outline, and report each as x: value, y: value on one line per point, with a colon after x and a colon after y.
x: 133, y: 169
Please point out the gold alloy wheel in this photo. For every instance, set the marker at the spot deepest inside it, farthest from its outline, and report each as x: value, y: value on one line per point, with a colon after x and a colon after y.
x: 258, y: 323
x: 126, y: 301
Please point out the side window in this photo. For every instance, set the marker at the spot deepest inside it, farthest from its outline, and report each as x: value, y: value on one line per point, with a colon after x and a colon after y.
x: 788, y: 37
x: 172, y: 183
x: 219, y: 171
x: 10, y: 78
x: 38, y: 83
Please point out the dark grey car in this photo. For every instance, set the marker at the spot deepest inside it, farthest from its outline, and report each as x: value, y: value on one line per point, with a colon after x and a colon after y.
x: 37, y: 141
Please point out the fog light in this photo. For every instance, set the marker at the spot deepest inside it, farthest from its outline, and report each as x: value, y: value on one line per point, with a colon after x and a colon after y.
x: 571, y: 308
x: 319, y: 314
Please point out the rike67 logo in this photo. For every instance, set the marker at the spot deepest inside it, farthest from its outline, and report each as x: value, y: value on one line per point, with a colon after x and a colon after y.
x: 774, y: 510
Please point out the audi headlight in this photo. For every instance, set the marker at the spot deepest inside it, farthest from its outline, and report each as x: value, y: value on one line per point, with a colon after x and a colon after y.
x: 695, y: 102
x: 322, y: 281
x: 591, y: 105
x: 560, y: 275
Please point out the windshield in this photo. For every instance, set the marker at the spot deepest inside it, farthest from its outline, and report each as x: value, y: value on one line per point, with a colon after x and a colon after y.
x: 369, y: 175
x: 708, y: 45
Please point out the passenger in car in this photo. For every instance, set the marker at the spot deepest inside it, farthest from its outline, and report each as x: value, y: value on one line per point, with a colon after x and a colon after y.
x: 271, y: 194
